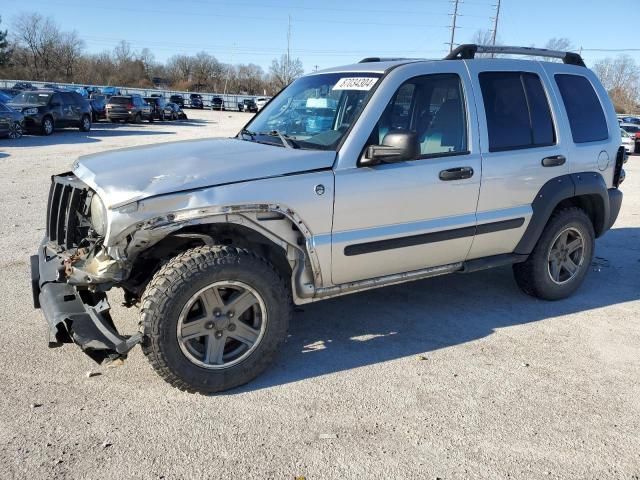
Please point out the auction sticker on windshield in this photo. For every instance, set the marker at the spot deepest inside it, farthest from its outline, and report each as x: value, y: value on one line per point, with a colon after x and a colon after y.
x: 355, y: 83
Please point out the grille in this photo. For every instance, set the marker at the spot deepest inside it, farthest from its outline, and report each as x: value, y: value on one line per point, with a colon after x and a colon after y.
x: 66, y: 211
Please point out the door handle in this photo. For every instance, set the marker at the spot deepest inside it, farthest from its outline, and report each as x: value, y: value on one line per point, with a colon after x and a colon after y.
x: 459, y: 173
x: 554, y: 161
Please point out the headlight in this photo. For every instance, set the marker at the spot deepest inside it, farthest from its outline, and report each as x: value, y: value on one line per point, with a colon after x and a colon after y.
x: 98, y: 215
x: 30, y: 111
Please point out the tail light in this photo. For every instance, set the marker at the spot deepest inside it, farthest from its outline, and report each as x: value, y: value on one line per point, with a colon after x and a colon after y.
x: 618, y: 173
x: 130, y: 106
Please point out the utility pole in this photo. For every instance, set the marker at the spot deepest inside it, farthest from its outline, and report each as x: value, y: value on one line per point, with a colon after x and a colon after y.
x: 495, y: 27
x: 453, y: 25
x: 315, y: 68
x: 288, y: 69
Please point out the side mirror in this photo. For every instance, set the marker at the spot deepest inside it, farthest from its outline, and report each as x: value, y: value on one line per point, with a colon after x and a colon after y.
x: 396, y: 147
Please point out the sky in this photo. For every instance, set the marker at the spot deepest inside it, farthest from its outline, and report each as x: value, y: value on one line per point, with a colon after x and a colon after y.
x: 332, y: 32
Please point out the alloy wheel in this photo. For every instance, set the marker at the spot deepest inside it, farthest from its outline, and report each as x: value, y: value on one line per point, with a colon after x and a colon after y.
x: 221, y: 324
x: 15, y: 130
x: 566, y: 256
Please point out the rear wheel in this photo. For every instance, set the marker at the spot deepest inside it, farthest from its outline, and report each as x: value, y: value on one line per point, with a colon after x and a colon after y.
x: 214, y: 318
x: 15, y: 130
x: 85, y: 123
x: 561, y: 259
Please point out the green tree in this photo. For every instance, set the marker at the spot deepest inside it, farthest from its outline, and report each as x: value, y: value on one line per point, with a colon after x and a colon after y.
x: 5, y: 53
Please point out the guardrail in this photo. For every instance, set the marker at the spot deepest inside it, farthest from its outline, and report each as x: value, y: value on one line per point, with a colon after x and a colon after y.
x: 230, y: 100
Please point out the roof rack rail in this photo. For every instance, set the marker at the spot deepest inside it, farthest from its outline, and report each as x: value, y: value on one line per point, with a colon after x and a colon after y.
x: 469, y: 50
x: 382, y: 59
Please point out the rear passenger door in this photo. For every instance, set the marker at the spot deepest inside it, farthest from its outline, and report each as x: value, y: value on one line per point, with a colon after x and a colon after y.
x: 521, y: 147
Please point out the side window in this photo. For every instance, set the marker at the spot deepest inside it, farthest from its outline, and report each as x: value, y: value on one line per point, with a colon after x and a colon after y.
x: 517, y: 110
x: 432, y: 107
x: 587, y: 120
x: 56, y: 98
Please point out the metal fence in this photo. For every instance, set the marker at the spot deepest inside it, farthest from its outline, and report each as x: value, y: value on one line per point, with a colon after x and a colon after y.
x: 230, y: 101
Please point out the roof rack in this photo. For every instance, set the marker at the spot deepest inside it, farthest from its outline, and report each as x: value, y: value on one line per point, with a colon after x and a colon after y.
x: 468, y: 52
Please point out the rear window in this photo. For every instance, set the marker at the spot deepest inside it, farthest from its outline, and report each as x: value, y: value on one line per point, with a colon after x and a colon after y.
x: 586, y: 117
x: 120, y: 100
x: 518, y: 113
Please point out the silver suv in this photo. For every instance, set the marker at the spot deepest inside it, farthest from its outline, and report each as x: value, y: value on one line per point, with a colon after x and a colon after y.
x: 353, y: 178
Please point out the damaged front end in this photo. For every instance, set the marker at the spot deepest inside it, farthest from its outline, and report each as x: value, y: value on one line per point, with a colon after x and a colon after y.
x: 71, y: 273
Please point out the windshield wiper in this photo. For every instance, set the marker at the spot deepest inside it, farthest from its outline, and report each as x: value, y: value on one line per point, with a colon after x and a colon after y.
x: 286, y: 140
x: 248, y: 133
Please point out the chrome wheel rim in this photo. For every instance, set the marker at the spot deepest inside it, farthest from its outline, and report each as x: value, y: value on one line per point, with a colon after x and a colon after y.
x: 566, y: 256
x: 15, y: 130
x: 222, y: 324
x: 86, y: 123
x: 48, y: 126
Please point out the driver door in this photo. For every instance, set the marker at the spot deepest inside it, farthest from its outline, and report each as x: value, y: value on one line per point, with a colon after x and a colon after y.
x: 418, y: 212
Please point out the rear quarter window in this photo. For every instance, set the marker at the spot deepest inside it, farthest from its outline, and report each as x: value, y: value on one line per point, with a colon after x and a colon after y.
x: 586, y: 117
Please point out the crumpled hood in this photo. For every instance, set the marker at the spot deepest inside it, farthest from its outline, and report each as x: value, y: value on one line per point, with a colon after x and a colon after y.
x: 131, y: 174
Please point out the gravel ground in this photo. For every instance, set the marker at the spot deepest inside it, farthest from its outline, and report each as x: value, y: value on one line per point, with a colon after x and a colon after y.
x: 453, y: 377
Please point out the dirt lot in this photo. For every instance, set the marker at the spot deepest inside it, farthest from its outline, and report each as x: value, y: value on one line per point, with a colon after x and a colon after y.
x: 452, y: 377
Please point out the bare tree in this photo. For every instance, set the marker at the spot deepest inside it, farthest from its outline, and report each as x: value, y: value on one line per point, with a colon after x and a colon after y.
x: 122, y: 53
x: 620, y: 76
x: 484, y: 37
x: 285, y: 71
x: 40, y: 37
x: 204, y: 68
x: 69, y: 53
x: 562, y: 44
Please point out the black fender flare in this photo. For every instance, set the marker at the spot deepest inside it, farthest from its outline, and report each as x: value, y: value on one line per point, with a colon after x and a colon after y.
x: 562, y: 188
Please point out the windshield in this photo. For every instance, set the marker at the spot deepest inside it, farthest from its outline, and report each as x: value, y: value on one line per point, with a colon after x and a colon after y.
x: 314, y: 111
x: 32, y: 98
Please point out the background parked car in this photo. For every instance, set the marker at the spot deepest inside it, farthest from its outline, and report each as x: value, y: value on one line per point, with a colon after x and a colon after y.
x: 10, y: 122
x: 177, y: 99
x: 128, y: 108
x: 98, y: 106
x: 196, y: 100
x: 633, y: 130
x: 247, y: 105
x: 628, y: 141
x: 157, y: 105
x: 176, y: 112
x: 261, y: 102
x: 217, y: 103
x: 629, y: 119
x: 23, y: 86
x: 46, y: 110
x: 111, y: 91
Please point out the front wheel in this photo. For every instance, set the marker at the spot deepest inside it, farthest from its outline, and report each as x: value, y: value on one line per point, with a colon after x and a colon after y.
x: 15, y: 130
x: 214, y: 318
x: 561, y: 259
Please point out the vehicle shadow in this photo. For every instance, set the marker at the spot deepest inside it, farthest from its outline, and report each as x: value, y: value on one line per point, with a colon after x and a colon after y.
x: 416, y: 318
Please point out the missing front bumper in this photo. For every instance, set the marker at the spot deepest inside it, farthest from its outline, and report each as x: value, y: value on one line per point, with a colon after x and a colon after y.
x: 74, y: 315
